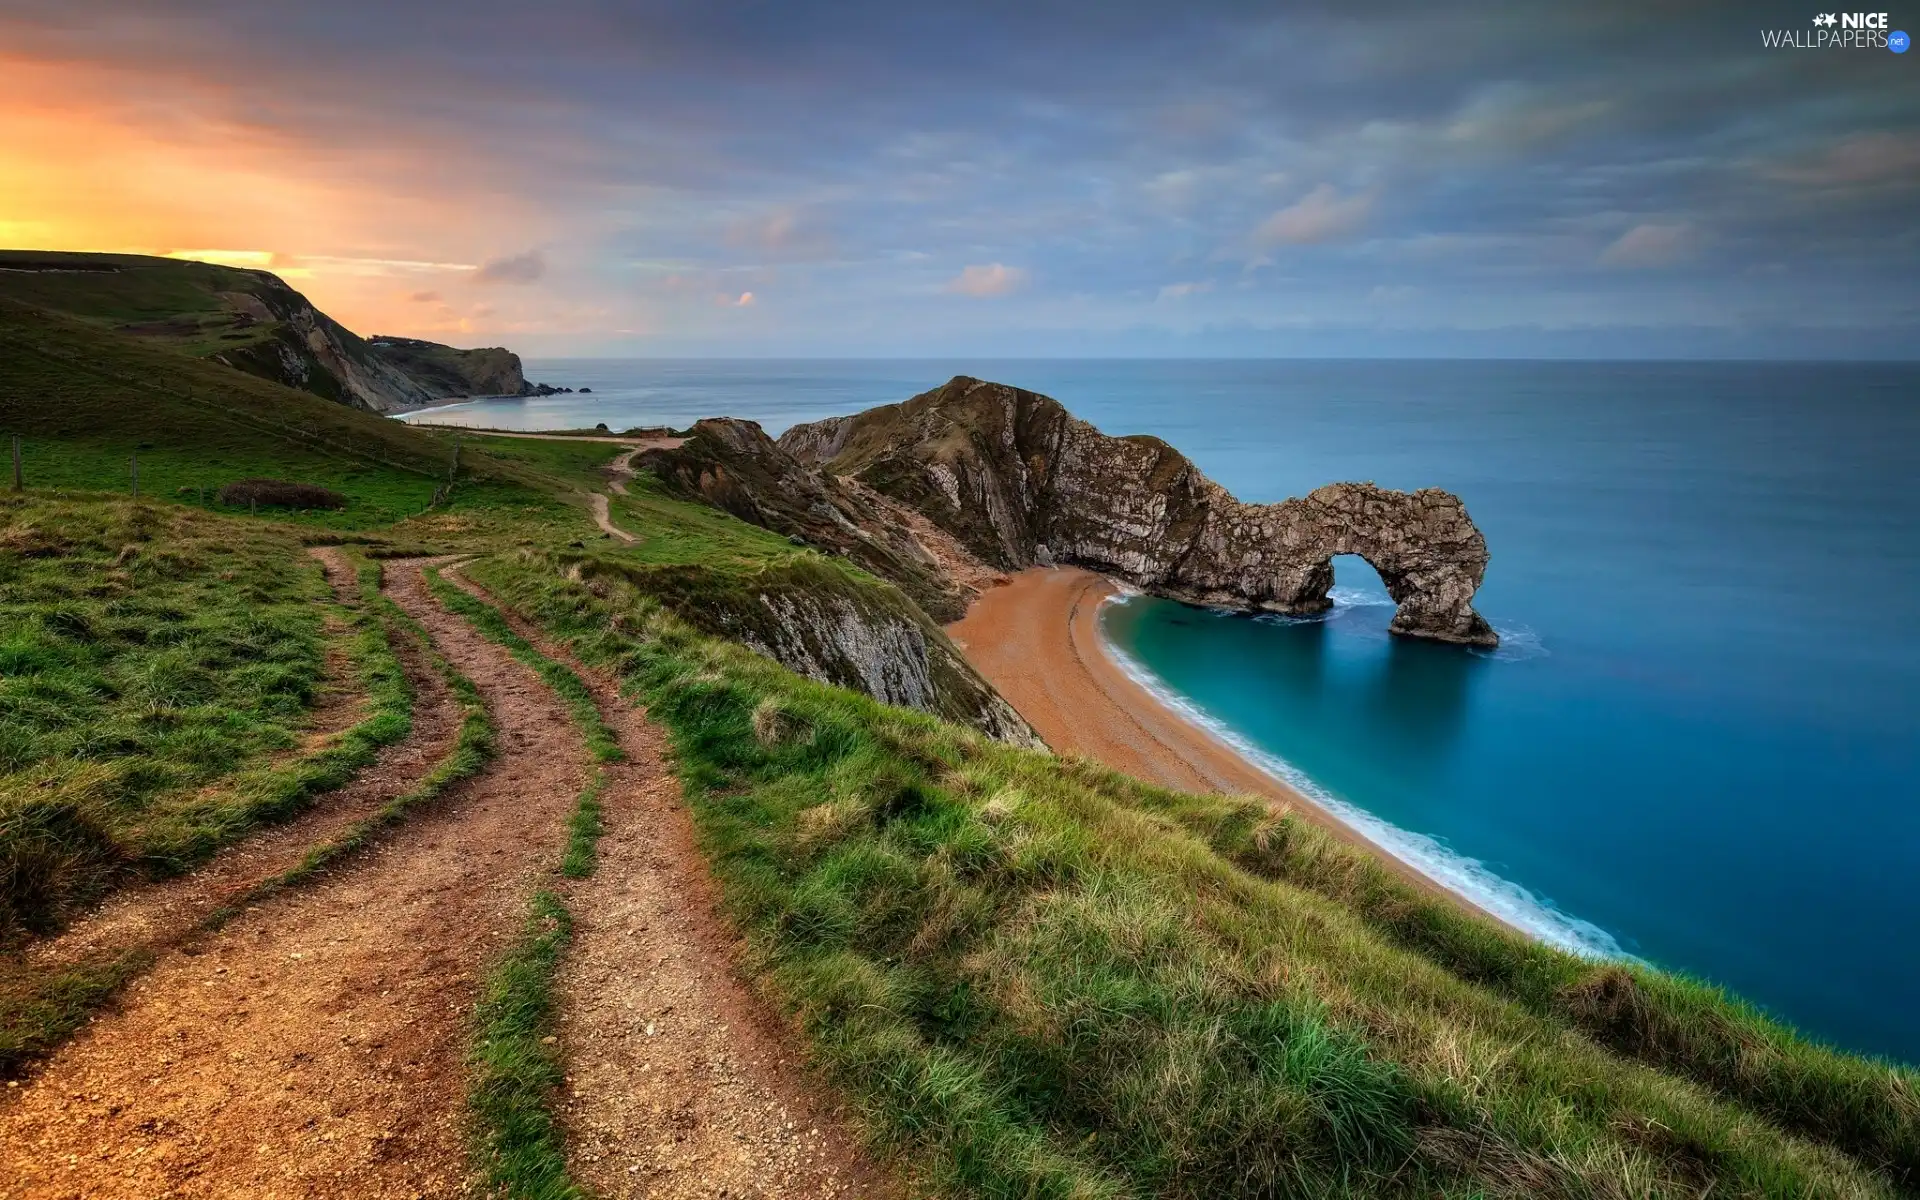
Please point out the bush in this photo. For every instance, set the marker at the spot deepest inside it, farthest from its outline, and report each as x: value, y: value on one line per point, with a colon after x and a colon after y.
x: 282, y: 493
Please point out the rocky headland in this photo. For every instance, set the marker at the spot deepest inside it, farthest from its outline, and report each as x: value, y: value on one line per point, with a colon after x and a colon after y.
x: 976, y: 475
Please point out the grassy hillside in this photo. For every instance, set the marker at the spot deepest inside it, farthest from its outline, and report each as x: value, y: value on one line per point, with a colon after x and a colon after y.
x: 146, y: 653
x: 1029, y: 976
x: 85, y: 401
x: 250, y: 321
x: 1040, y: 978
x: 180, y: 303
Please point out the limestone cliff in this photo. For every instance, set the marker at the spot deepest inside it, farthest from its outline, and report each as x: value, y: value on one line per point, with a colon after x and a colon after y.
x: 1017, y: 480
x: 818, y: 620
x: 447, y: 372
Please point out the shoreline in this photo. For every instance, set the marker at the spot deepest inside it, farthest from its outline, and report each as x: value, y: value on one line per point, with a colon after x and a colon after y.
x: 1037, y: 639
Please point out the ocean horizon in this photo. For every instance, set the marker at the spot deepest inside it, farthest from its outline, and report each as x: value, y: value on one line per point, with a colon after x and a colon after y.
x: 1696, y: 744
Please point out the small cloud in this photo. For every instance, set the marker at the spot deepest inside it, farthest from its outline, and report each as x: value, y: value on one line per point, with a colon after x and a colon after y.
x: 1390, y: 293
x: 1863, y: 159
x: 745, y: 300
x: 992, y: 279
x: 425, y: 297
x: 517, y: 268
x: 1180, y: 291
x: 1650, y: 246
x: 784, y: 235
x: 1322, y: 215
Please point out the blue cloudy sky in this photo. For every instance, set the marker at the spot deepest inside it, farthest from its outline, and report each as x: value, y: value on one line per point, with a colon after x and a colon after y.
x: 1017, y: 178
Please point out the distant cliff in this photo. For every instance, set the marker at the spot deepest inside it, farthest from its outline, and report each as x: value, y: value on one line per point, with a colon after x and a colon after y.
x: 254, y: 322
x: 447, y: 372
x: 1013, y: 479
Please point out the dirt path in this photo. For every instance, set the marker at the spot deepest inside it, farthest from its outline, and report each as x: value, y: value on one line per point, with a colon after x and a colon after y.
x: 157, y: 915
x: 620, y: 470
x: 681, y: 1083
x: 603, y: 517
x: 314, y: 1048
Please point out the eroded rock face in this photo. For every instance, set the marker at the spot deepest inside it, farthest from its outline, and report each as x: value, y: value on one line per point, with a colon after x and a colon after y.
x: 1019, y: 481
x: 733, y: 465
x: 1017, y: 478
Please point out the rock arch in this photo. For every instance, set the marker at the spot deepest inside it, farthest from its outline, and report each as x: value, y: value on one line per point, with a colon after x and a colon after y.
x: 1017, y: 480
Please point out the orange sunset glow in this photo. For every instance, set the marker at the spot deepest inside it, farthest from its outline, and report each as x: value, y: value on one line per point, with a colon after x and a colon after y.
x: 96, y: 156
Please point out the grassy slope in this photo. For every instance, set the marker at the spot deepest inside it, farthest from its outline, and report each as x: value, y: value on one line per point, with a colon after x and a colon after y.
x: 143, y: 654
x: 1039, y: 978
x: 85, y: 400
x: 180, y: 298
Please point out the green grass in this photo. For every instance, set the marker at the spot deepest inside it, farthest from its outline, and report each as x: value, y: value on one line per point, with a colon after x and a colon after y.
x: 160, y: 833
x: 158, y: 667
x: 516, y: 1069
x: 85, y: 401
x: 1034, y: 977
x: 41, y: 1009
x: 584, y: 828
x: 473, y: 748
x: 580, y: 463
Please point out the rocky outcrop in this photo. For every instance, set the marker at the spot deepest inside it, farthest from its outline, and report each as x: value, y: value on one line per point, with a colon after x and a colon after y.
x: 816, y: 619
x: 296, y: 344
x: 733, y: 465
x: 1017, y: 480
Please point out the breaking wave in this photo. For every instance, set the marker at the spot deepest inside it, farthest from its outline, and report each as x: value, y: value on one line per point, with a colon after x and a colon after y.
x: 1464, y: 876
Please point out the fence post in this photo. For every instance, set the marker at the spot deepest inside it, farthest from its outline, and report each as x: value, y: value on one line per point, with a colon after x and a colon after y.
x: 17, y: 484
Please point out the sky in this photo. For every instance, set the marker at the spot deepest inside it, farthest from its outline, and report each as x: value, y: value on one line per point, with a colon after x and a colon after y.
x: 1009, y: 178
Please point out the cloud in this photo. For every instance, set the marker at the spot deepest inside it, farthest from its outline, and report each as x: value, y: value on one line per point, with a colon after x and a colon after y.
x: 425, y: 297
x: 745, y: 300
x: 1322, y: 215
x: 1867, y: 158
x: 993, y: 279
x: 517, y: 268
x: 1652, y: 245
x: 1180, y: 291
x: 783, y: 235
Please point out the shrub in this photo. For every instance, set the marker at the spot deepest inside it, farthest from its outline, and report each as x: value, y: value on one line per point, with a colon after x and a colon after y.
x: 281, y: 493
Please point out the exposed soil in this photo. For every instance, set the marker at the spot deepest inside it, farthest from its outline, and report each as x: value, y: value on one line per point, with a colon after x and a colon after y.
x: 960, y: 564
x: 314, y: 1048
x: 621, y: 469
x: 618, y: 472
x: 603, y: 517
x: 159, y: 914
x: 680, y: 1082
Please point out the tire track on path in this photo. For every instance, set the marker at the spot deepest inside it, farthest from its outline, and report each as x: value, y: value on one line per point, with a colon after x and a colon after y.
x: 680, y: 1081
x: 315, y: 1046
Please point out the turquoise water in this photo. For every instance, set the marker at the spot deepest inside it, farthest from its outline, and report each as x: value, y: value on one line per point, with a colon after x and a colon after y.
x: 1700, y: 740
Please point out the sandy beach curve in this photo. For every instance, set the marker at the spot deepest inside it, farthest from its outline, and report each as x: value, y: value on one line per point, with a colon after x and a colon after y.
x: 1037, y: 639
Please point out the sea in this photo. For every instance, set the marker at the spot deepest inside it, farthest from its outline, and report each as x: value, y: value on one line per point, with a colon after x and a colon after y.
x: 1698, y: 744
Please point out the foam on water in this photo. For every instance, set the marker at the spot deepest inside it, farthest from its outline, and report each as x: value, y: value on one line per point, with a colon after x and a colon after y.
x: 1464, y: 876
